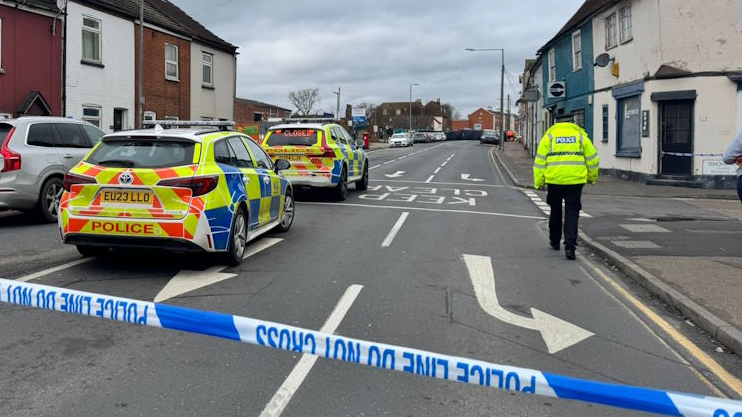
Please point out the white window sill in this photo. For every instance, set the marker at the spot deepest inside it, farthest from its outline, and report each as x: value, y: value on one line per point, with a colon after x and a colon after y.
x: 173, y: 79
x: 627, y: 41
x: 208, y: 86
x: 2, y: 71
x: 577, y: 69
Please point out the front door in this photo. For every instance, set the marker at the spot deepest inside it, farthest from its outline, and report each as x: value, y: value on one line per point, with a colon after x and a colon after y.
x: 118, y: 117
x: 676, y: 137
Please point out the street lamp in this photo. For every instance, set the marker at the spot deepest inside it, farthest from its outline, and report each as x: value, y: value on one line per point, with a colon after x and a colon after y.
x: 411, y: 105
x: 502, y: 88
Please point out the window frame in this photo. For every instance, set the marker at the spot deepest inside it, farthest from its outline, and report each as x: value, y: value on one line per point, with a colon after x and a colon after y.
x: 629, y: 25
x: 606, y: 119
x: 149, y: 113
x: 1, y: 45
x: 552, y: 64
x: 51, y: 129
x: 611, y: 36
x: 237, y: 138
x: 576, y: 61
x: 172, y: 118
x: 211, y: 69
x: 176, y: 63
x: 621, y: 150
x: 94, y: 31
x: 59, y: 135
x: 256, y: 151
x: 93, y: 119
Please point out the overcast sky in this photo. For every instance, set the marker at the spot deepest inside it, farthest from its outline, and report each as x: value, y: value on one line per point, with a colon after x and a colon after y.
x: 373, y: 50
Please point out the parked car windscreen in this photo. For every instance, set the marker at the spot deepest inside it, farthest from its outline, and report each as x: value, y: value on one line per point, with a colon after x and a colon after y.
x: 142, y: 153
x: 292, y: 137
x: 399, y: 135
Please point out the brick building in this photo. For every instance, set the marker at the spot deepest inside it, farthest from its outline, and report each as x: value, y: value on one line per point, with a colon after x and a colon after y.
x: 252, y: 111
x: 391, y: 116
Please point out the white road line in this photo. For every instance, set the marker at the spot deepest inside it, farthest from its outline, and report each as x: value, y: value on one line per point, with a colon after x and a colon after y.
x: 442, y: 183
x: 403, y: 156
x: 485, y: 213
x: 54, y: 269
x: 430, y: 178
x: 395, y: 229
x: 388, y: 162
x: 437, y: 170
x: 444, y: 163
x: 375, y: 166
x: 292, y: 383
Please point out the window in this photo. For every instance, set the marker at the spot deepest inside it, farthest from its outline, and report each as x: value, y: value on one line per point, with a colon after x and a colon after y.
x: 262, y: 160
x: 243, y: 157
x: 207, y: 65
x: 171, y: 118
x: 150, y: 115
x: 337, y: 136
x: 223, y: 154
x: 605, y: 123
x: 40, y: 134
x: 610, y: 31
x: 579, y: 118
x: 576, y: 51
x: 91, y: 114
x: 71, y: 136
x: 385, y: 112
x: 94, y: 135
x: 398, y: 112
x: 171, y: 62
x: 629, y: 127
x: 293, y: 137
x: 256, y: 117
x: 142, y: 153
x: 91, y: 32
x: 204, y: 118
x: 552, y: 65
x: 624, y: 18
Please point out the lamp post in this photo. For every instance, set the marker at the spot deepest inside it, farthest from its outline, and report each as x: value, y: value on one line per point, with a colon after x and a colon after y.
x: 411, y: 105
x: 502, y: 89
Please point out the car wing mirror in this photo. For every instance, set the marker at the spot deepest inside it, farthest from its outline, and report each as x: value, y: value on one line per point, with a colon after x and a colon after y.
x: 282, y: 164
x: 359, y: 143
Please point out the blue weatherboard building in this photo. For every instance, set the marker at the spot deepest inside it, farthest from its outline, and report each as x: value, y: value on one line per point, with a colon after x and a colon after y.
x: 568, y: 75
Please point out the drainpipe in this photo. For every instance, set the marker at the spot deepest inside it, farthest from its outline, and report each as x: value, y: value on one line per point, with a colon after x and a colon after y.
x: 64, y: 62
x: 739, y: 107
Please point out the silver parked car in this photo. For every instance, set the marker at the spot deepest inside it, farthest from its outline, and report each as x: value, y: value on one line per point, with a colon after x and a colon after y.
x: 35, y: 153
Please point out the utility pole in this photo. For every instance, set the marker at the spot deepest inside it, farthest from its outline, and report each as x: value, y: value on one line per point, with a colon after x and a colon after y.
x: 141, y: 63
x: 411, y: 84
x: 337, y: 109
x: 509, y: 127
x: 502, y: 92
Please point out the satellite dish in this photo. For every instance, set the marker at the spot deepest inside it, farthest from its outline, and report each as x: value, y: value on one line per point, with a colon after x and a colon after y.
x: 603, y: 59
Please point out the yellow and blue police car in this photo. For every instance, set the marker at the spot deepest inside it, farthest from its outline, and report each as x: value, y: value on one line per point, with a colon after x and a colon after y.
x: 322, y: 154
x: 202, y: 188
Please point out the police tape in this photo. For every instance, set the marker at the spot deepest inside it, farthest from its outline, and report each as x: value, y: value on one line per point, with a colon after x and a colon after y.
x: 690, y: 154
x: 378, y: 355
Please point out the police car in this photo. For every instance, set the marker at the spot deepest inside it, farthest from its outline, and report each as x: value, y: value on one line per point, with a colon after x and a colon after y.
x: 202, y: 188
x: 322, y: 154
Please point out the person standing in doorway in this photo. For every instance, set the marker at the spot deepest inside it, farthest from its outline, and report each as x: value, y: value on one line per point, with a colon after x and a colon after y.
x: 565, y: 161
x: 733, y: 155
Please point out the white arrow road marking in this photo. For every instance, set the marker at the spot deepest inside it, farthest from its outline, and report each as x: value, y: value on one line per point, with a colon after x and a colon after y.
x: 466, y: 177
x: 395, y: 175
x: 187, y: 281
x: 286, y: 391
x: 557, y: 333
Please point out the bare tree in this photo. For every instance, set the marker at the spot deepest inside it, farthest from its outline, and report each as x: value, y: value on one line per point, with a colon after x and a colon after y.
x: 305, y: 100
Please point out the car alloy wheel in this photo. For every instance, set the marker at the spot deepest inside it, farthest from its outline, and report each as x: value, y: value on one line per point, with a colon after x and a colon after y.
x: 288, y: 213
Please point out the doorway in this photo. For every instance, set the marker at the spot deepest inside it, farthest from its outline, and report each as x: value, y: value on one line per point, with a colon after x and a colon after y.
x: 676, y: 137
x: 119, y: 116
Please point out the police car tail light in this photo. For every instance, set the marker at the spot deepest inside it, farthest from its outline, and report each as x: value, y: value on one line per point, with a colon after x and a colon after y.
x: 72, y: 179
x: 327, y: 151
x: 199, y: 185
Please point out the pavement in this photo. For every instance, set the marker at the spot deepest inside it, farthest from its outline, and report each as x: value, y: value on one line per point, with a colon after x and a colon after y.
x: 407, y: 240
x: 682, y: 244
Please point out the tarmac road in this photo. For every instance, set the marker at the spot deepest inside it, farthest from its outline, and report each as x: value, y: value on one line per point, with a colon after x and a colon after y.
x: 417, y: 292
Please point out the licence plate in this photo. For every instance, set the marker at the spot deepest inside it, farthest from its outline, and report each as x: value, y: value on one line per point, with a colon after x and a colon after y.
x: 292, y: 157
x: 127, y: 196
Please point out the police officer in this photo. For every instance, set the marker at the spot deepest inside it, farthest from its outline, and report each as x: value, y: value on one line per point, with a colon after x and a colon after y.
x: 565, y: 161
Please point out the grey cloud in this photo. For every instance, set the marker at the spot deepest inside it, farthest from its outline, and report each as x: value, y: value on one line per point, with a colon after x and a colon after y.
x: 373, y: 50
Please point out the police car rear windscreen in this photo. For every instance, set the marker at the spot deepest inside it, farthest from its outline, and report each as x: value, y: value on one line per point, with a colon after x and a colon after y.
x: 293, y: 137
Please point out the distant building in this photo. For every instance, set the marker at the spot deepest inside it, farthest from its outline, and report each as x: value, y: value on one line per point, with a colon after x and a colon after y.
x: 393, y: 116
x: 31, y: 48
x: 532, y: 117
x: 252, y: 111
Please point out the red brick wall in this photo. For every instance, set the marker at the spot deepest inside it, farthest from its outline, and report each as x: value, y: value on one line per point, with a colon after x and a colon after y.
x: 244, y: 113
x: 31, y: 59
x: 460, y: 124
x: 482, y: 117
x: 164, y: 97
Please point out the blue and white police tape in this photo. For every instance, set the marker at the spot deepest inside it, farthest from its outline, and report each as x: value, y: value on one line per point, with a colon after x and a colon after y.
x: 690, y: 154
x: 379, y: 355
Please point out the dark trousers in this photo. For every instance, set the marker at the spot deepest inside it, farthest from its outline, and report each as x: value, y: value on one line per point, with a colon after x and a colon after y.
x: 739, y: 187
x: 571, y: 195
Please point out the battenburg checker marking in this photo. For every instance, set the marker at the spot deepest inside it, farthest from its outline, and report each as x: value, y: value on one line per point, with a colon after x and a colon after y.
x: 379, y: 355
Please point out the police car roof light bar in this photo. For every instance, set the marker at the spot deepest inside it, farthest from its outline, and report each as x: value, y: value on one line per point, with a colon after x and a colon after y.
x: 309, y: 120
x: 221, y: 124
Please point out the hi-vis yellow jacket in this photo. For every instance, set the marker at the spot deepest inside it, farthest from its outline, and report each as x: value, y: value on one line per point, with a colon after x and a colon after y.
x: 565, y: 156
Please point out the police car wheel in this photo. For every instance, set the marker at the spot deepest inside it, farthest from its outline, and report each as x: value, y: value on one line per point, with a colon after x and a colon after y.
x: 341, y: 190
x: 288, y: 213
x: 91, y: 251
x: 237, y: 239
x: 362, y: 184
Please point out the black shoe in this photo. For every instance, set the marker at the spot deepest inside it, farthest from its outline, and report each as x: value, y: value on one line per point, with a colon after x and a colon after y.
x: 554, y: 246
x: 569, y: 253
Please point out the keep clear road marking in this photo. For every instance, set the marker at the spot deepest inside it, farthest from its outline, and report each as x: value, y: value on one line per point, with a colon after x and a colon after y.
x: 286, y: 391
x: 395, y: 175
x: 557, y: 333
x: 395, y: 229
x: 187, y: 281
